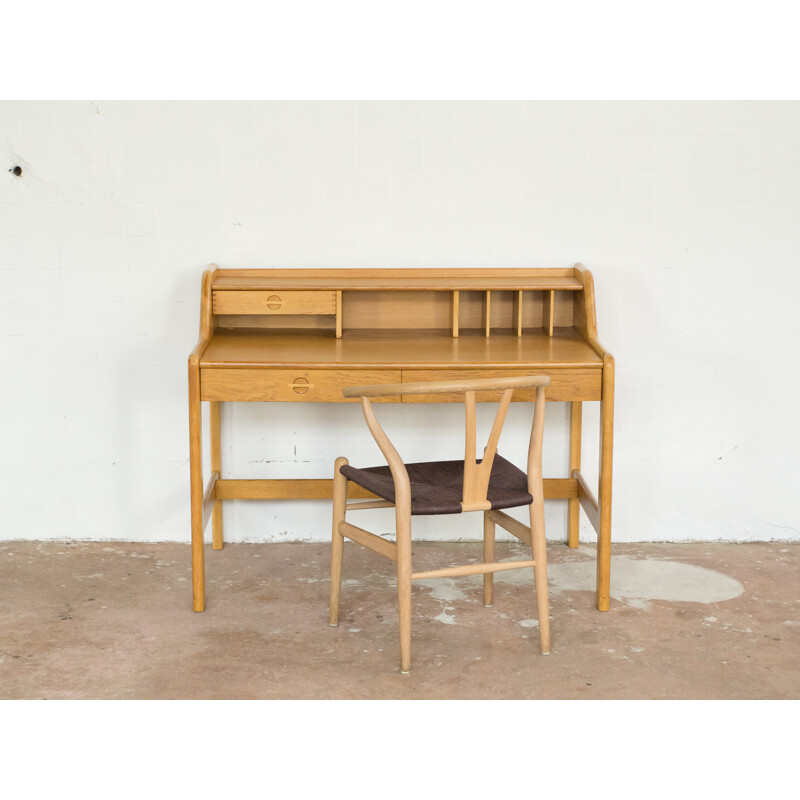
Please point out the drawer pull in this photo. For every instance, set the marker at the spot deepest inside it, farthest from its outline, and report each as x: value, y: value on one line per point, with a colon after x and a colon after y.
x: 274, y: 302
x: 301, y: 385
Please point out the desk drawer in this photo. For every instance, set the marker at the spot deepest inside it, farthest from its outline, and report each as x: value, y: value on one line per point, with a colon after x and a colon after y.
x: 275, y: 303
x: 283, y: 385
x: 565, y: 384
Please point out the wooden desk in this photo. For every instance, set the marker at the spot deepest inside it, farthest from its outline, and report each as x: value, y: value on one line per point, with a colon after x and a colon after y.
x: 303, y: 335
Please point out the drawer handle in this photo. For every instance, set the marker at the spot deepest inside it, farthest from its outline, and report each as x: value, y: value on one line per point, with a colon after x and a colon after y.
x: 274, y: 302
x: 301, y: 385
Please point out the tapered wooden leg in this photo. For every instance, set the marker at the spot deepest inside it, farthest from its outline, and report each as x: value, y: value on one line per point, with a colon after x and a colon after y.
x: 539, y: 546
x: 196, y: 484
x: 403, y: 517
x: 575, y: 420
x: 488, y: 558
x: 337, y: 540
x: 216, y: 466
x: 604, y: 491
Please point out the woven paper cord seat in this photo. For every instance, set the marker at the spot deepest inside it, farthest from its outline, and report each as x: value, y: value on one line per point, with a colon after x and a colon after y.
x: 437, y: 486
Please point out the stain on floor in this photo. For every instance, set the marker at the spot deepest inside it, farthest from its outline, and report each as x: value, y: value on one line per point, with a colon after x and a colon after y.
x: 100, y: 620
x: 637, y: 581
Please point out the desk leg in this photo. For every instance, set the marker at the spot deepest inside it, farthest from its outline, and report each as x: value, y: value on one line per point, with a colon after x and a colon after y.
x: 604, y: 493
x: 216, y: 465
x: 575, y: 420
x: 196, y: 482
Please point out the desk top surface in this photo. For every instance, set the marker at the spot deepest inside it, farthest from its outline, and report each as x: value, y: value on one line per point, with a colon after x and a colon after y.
x: 248, y: 347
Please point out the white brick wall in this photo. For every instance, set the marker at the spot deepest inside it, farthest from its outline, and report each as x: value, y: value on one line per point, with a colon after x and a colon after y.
x: 686, y: 212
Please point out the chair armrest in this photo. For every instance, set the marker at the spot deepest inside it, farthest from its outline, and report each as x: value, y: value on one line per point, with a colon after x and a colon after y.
x: 443, y: 387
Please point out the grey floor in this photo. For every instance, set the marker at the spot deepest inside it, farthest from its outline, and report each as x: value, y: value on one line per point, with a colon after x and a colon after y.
x: 114, y: 620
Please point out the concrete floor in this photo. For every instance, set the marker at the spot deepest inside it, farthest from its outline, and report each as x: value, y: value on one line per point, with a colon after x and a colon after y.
x: 114, y: 620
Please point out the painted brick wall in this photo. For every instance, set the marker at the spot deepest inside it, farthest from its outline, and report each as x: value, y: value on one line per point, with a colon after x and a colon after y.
x: 687, y: 213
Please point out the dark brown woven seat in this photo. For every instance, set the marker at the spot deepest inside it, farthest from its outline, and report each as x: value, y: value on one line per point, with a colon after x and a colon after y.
x: 437, y: 486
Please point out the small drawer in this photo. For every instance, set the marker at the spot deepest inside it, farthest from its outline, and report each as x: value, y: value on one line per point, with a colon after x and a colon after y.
x: 565, y: 384
x: 283, y: 385
x: 275, y: 303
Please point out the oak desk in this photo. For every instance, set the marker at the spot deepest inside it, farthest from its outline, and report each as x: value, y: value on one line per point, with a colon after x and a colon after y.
x: 302, y: 335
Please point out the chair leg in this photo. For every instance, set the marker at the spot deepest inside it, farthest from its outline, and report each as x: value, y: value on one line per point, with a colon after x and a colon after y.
x: 539, y: 546
x: 337, y: 540
x: 403, y: 517
x: 488, y: 558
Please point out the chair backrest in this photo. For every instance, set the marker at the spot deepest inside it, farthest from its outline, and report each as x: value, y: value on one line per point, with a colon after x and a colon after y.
x: 476, y: 474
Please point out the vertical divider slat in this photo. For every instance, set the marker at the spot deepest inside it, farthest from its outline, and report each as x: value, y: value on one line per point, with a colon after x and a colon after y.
x: 454, y: 314
x: 487, y: 312
x: 518, y: 312
x: 339, y: 314
x: 549, y: 308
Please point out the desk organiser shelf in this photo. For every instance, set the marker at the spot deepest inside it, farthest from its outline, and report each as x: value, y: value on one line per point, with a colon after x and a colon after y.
x: 302, y: 335
x: 254, y: 298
